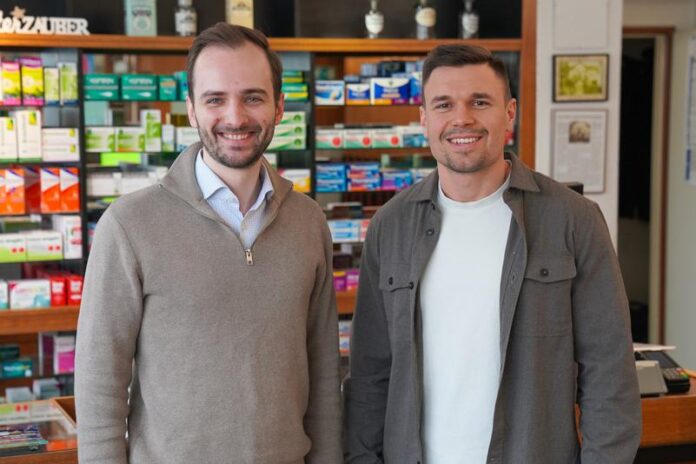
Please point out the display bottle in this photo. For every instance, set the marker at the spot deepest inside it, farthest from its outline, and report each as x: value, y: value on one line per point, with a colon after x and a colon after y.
x: 469, y: 21
x: 425, y: 20
x: 185, y: 19
x: 374, y: 21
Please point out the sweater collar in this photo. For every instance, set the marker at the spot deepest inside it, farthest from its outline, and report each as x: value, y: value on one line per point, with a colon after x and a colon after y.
x: 181, y: 181
x: 521, y: 178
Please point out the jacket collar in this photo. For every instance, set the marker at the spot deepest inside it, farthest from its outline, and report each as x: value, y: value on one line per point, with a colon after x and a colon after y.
x: 521, y: 178
x: 181, y: 181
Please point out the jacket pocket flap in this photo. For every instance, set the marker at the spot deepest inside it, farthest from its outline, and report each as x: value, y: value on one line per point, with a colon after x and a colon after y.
x: 550, y: 268
x: 394, y: 277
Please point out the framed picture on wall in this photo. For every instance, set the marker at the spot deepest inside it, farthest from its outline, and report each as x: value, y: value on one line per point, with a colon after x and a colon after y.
x: 580, y: 78
x: 579, y: 147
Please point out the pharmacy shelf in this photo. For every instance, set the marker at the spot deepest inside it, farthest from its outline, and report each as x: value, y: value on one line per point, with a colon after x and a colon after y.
x: 27, y: 321
x: 345, y: 301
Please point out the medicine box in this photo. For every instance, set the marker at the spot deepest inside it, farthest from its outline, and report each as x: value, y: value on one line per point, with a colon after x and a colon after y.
x: 412, y: 136
x: 139, y: 87
x: 100, y: 139
x: 287, y: 143
x: 15, y: 369
x: 141, y: 17
x: 357, y: 138
x: 329, y: 138
x: 8, y: 139
x: 358, y: 94
x: 151, y: 122
x: 49, y: 179
x: 339, y: 281
x: 44, y: 245
x: 11, y: 84
x: 416, y: 88
x: 32, y: 81
x: 74, y: 289
x: 51, y: 86
x: 368, y: 170
x: 329, y: 92
x: 386, y: 138
x: 63, y: 354
x: 130, y: 138
x: 396, y: 179
x: 69, y: 190
x: 70, y: 228
x: 15, y: 199
x: 344, y: 230
x: 68, y: 82
x: 389, y: 91
x: 101, y: 87
x: 290, y: 130
x: 13, y: 248
x: 186, y: 136
x: 168, y: 138
x: 60, y: 144
x: 4, y: 298
x: 293, y: 117
x: 167, y: 89
x: 28, y: 134
x: 300, y: 178
x: 363, y: 185
x: 59, y: 295
x: 29, y: 293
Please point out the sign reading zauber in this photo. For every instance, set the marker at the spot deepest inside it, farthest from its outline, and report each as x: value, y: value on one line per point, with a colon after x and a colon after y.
x: 18, y: 22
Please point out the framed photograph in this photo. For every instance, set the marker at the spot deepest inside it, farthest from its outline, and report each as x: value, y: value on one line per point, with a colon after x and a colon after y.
x: 579, y: 147
x: 580, y: 78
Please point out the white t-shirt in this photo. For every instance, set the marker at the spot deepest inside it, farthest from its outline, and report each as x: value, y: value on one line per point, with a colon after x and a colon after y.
x: 460, y: 301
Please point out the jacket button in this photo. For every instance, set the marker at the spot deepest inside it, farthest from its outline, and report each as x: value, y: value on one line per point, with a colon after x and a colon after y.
x: 430, y: 231
x: 391, y: 280
x: 544, y: 272
x: 410, y: 285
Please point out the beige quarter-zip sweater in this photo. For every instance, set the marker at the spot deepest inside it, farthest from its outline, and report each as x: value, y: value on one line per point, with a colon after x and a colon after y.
x: 231, y: 357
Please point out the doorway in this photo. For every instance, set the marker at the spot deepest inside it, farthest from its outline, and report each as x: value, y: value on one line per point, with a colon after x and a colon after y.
x: 642, y: 176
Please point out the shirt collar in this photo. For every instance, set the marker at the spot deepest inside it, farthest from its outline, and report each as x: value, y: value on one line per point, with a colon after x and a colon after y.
x: 210, y: 183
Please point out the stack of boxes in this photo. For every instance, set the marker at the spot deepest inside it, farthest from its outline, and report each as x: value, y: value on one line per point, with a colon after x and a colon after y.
x: 294, y: 87
x: 386, y: 83
x: 332, y: 138
x: 136, y: 87
x: 27, y: 82
x: 39, y: 190
x: 23, y: 139
x: 361, y: 177
x: 51, y: 289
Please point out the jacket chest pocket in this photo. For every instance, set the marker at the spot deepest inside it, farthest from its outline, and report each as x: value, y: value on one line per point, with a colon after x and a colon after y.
x: 544, y: 307
x: 397, y: 290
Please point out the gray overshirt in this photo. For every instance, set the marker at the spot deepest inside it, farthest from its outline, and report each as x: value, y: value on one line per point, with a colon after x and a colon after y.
x: 565, y: 333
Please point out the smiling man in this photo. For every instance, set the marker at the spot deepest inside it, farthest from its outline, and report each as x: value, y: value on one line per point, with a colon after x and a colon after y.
x: 208, y: 325
x: 490, y: 302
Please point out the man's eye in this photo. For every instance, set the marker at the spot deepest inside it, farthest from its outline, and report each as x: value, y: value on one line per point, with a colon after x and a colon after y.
x: 254, y: 99
x: 214, y: 101
x: 480, y: 103
x: 441, y: 106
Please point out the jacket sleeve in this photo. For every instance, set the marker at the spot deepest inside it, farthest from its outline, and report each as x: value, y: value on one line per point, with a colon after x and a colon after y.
x: 107, y: 331
x: 608, y: 395
x: 322, y: 419
x: 370, y: 364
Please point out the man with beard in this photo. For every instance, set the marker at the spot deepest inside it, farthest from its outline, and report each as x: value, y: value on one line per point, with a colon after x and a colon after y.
x: 490, y: 302
x: 208, y: 326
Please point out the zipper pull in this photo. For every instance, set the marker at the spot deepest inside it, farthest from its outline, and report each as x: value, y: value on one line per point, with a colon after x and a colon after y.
x: 249, y: 257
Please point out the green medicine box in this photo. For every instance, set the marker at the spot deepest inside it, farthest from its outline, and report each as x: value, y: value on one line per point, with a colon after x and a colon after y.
x: 167, y: 88
x: 101, y: 87
x: 182, y: 79
x: 139, y: 87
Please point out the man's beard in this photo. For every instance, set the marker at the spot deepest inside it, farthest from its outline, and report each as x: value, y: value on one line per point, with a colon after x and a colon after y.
x: 211, y: 147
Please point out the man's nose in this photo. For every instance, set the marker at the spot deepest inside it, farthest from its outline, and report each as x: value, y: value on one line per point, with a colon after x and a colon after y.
x: 236, y: 114
x: 463, y: 115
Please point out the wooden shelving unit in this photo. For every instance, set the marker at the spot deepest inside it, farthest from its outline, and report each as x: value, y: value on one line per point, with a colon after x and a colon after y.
x: 27, y: 321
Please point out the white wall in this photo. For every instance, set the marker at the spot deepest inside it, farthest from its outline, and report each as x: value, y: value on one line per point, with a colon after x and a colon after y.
x: 681, y: 208
x: 586, y: 18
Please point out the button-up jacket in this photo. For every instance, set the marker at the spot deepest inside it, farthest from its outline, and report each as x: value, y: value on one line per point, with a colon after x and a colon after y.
x: 564, y: 333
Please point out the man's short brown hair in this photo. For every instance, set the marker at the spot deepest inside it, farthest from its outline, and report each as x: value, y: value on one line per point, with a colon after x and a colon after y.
x: 462, y: 55
x: 232, y: 36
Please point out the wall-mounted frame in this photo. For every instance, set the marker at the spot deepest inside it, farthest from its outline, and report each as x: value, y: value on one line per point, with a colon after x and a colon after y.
x: 580, y: 78
x: 579, y: 147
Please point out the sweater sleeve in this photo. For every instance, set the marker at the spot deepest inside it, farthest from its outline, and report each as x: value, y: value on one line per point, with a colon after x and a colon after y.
x: 322, y: 420
x: 107, y: 333
x: 610, y: 420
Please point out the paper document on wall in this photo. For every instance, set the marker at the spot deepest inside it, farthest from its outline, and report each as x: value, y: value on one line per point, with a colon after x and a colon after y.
x: 690, y: 170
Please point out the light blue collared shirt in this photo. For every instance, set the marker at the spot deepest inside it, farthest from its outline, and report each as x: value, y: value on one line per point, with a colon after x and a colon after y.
x: 226, y: 204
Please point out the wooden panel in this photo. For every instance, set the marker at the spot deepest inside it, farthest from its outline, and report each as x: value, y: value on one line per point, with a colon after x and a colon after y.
x: 53, y: 457
x: 38, y: 320
x: 527, y: 102
x: 670, y: 420
x: 182, y: 44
